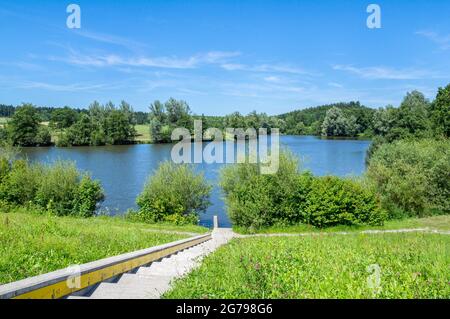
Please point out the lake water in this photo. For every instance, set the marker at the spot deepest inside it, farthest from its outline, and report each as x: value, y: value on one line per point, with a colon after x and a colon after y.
x: 123, y: 170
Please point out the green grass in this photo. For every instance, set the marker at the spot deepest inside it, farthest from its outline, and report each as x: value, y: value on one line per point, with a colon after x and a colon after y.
x: 413, y: 265
x: 3, y: 121
x: 441, y: 222
x: 143, y: 133
x: 32, y: 244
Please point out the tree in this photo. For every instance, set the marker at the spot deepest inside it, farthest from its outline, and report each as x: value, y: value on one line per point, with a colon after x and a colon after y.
x: 43, y: 136
x: 300, y: 129
x: 97, y: 114
x: 157, y: 118
x: 24, y: 126
x: 353, y: 127
x: 63, y: 118
x: 165, y: 118
x: 384, y: 119
x: 178, y: 113
x: 119, y: 128
x: 234, y: 120
x: 79, y: 134
x: 335, y: 123
x: 440, y: 112
x: 412, y: 113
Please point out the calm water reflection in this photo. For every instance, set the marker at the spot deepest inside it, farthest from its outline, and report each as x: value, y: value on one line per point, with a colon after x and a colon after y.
x: 123, y: 170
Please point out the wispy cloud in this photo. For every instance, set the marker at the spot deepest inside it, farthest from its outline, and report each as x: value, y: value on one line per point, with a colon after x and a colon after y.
x: 335, y: 85
x: 75, y: 87
x: 170, y: 62
x: 265, y: 68
x: 23, y: 65
x: 386, y: 73
x: 108, y: 38
x: 272, y: 78
x: 443, y: 41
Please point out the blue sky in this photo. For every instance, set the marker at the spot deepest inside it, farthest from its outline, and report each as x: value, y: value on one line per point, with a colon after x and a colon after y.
x: 222, y: 56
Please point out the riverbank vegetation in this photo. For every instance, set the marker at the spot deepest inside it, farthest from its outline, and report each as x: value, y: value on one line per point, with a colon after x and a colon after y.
x: 407, y: 176
x: 404, y: 179
x: 174, y: 193
x: 33, y: 242
x: 59, y: 188
x: 412, y: 177
x: 396, y: 265
x: 292, y: 197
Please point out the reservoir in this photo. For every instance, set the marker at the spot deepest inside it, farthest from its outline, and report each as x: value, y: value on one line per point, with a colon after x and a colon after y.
x: 124, y: 169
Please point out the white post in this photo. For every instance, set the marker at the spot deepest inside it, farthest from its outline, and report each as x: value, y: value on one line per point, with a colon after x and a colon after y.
x: 216, y: 222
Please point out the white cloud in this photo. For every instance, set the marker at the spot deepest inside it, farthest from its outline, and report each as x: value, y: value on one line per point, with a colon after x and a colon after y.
x: 62, y: 87
x: 336, y: 85
x: 233, y: 66
x: 386, y: 73
x: 266, y: 68
x: 443, y: 41
x: 272, y: 79
x: 170, y: 62
x: 107, y: 38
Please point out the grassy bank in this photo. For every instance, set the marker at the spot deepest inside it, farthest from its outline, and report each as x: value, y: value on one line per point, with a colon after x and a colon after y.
x: 441, y: 223
x: 413, y: 265
x: 142, y: 133
x: 34, y: 244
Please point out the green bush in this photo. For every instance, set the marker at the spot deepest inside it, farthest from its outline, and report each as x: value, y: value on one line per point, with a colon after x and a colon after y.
x: 289, y: 197
x: 59, y: 188
x: 255, y: 200
x: 413, y: 176
x: 174, y: 193
x: 20, y: 183
x: 88, y: 194
x: 43, y: 136
x: 335, y: 201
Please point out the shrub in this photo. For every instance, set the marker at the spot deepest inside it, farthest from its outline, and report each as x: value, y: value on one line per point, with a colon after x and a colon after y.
x: 60, y: 188
x: 63, y: 140
x: 254, y: 200
x: 336, y: 201
x: 88, y: 194
x: 43, y: 136
x: 174, y: 192
x: 413, y: 176
x: 20, y: 182
x: 290, y: 197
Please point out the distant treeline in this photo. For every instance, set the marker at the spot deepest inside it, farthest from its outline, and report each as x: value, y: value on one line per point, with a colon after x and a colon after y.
x: 98, y: 125
x: 106, y: 124
x: 309, y: 121
x: 45, y: 113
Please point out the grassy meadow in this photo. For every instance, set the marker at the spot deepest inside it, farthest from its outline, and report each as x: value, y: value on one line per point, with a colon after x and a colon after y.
x: 439, y: 222
x: 143, y: 133
x: 32, y: 244
x: 411, y: 265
